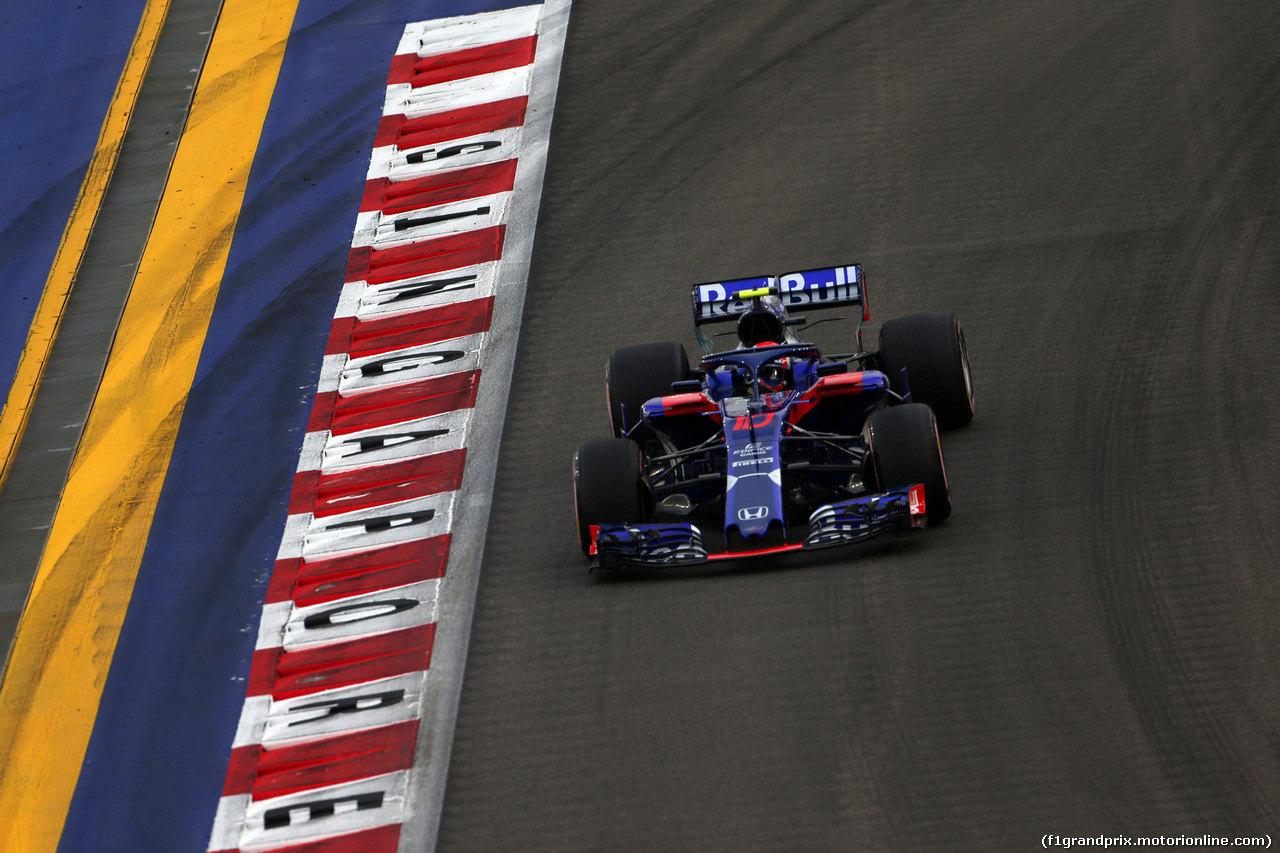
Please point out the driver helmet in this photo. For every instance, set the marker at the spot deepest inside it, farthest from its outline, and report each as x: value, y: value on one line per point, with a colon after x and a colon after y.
x: 774, y: 377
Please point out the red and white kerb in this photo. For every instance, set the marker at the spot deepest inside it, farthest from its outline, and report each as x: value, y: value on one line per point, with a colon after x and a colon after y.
x: 325, y: 743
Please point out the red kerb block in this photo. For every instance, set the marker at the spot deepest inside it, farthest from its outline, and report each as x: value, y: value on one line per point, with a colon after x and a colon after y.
x: 419, y: 71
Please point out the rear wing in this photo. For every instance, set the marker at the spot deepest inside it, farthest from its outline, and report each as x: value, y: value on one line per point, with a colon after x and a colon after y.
x: 829, y: 287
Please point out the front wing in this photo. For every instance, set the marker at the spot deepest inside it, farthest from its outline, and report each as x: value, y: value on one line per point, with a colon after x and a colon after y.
x: 660, y: 545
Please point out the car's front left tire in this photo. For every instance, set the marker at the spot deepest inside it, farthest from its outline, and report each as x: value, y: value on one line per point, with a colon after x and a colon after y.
x: 905, y: 450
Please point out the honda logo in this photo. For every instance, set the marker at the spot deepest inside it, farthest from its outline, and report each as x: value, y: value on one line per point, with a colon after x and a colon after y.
x: 752, y: 513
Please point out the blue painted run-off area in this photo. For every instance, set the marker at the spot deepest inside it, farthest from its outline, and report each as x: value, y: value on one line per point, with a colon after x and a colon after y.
x: 157, y: 760
x: 60, y: 61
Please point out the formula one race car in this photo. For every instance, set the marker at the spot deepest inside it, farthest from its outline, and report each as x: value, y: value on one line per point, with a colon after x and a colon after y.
x: 771, y: 446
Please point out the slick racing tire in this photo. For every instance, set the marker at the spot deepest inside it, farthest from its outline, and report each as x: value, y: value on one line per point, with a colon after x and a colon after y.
x: 905, y: 450
x: 931, y: 348
x: 634, y: 375
x: 609, y: 486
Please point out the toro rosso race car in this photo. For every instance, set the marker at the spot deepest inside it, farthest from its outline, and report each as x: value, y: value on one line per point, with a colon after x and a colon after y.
x: 772, y: 447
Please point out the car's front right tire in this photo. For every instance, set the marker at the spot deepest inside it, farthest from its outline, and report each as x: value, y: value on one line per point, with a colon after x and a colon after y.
x: 609, y: 486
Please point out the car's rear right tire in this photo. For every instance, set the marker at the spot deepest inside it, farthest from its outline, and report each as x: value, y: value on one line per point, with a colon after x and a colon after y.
x: 609, y: 486
x: 636, y: 374
x: 905, y: 450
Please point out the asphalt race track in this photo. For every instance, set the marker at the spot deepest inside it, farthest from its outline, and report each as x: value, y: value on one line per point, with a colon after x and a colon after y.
x: 1089, y: 646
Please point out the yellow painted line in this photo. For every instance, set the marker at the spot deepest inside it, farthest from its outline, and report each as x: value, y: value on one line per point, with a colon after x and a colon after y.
x: 66, y: 262
x: 72, y: 621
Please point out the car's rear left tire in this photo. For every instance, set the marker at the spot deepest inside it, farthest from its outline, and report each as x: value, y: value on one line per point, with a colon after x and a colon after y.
x: 931, y: 348
x: 905, y: 450
x: 609, y: 486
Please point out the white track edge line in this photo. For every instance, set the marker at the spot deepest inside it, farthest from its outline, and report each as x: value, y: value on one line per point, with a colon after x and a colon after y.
x: 443, y: 690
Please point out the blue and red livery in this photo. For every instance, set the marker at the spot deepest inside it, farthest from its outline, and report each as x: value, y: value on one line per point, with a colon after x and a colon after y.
x: 772, y: 447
